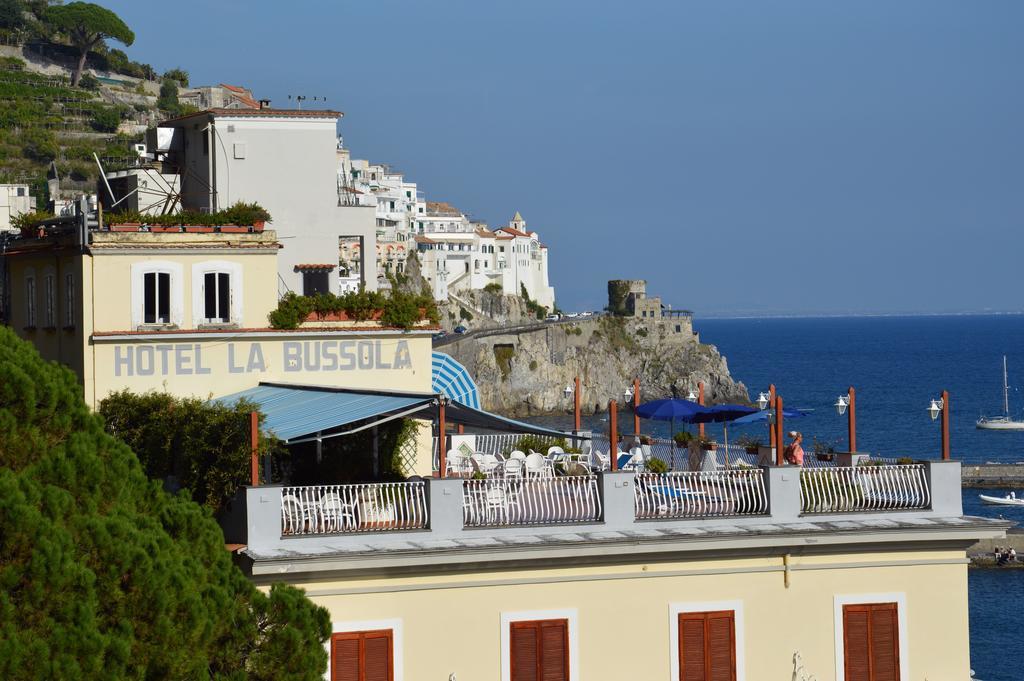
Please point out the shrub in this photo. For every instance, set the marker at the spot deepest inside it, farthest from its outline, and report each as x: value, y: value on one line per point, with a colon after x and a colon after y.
x: 106, y: 119
x: 291, y: 311
x: 168, y: 99
x: 495, y: 288
x: 244, y: 214
x: 399, y: 310
x: 89, y: 82
x: 656, y: 466
x: 642, y: 332
x: 40, y: 145
x: 465, y: 314
x: 682, y: 438
x: 179, y: 75
x: 533, y: 365
x: 29, y: 220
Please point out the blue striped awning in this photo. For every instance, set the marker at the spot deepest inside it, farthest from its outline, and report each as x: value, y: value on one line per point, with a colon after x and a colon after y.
x: 451, y: 379
x: 293, y: 411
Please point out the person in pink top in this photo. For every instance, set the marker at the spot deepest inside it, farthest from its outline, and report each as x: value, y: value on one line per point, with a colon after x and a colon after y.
x: 794, y: 453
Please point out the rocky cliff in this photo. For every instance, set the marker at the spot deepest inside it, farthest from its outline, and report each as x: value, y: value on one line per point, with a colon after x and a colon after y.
x: 525, y: 372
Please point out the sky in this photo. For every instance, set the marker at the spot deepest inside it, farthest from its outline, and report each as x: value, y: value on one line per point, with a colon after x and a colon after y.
x: 767, y: 157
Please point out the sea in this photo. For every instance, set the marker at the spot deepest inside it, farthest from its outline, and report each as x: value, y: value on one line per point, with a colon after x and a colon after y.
x: 898, y: 365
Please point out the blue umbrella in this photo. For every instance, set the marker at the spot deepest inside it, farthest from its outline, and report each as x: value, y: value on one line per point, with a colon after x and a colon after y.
x: 672, y: 409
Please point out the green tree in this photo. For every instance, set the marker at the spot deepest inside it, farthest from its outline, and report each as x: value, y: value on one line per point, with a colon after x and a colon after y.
x: 87, y: 25
x: 168, y: 99
x: 103, y: 575
x: 180, y: 75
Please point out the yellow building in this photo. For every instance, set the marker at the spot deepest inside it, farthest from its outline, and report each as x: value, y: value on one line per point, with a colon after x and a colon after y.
x: 729, y: 574
x: 186, y: 311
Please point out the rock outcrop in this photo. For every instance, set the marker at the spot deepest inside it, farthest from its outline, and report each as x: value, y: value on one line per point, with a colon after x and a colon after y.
x: 525, y: 373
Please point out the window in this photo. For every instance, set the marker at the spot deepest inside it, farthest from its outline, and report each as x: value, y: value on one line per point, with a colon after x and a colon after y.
x: 314, y: 281
x: 30, y: 301
x: 707, y: 646
x: 539, y: 650
x: 50, y: 299
x: 69, y: 300
x: 363, y: 656
x: 871, y: 642
x: 217, y: 297
x: 156, y: 298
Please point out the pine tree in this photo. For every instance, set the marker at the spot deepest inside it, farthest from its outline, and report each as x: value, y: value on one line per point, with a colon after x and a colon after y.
x: 103, y: 575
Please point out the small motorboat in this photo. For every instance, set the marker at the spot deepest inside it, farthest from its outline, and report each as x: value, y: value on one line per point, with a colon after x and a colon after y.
x: 1009, y: 500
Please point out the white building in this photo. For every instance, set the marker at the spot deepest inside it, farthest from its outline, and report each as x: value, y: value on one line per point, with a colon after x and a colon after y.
x: 14, y: 200
x: 461, y: 255
x: 285, y: 160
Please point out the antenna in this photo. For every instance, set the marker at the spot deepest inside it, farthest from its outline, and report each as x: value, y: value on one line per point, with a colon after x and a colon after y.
x: 299, y: 99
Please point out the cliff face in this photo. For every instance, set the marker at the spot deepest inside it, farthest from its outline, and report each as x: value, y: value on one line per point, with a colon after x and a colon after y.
x: 525, y: 373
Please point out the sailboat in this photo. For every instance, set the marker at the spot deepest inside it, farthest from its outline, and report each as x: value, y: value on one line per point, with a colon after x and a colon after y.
x: 1004, y: 422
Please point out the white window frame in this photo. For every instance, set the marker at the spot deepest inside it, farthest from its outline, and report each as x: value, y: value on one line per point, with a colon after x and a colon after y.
x: 138, y: 272
x: 570, y: 614
x: 30, y: 298
x: 69, y: 299
x: 677, y: 609
x: 395, y: 625
x: 899, y: 598
x: 199, y: 272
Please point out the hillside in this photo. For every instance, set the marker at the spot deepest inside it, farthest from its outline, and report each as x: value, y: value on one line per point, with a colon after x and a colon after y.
x: 44, y: 119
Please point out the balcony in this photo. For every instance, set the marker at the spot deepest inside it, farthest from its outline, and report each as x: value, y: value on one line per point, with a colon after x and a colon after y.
x: 585, y: 512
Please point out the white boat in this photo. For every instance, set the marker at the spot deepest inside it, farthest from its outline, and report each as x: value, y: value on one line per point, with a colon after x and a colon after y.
x: 1002, y: 501
x: 1004, y: 422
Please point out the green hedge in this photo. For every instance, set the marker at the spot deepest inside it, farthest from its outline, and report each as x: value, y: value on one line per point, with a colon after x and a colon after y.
x: 399, y: 310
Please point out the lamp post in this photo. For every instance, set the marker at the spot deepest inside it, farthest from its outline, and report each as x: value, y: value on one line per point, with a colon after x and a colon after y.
x: 636, y: 405
x: 778, y: 430
x: 613, y: 434
x: 700, y: 401
x: 771, y: 405
x: 442, y: 450
x: 574, y: 390
x: 847, y: 404
x: 937, y: 407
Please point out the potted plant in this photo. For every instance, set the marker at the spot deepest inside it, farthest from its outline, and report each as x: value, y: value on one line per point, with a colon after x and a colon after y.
x: 645, y: 440
x: 823, y: 451
x: 749, y: 443
x: 707, y: 444
x: 656, y: 466
x: 682, y: 438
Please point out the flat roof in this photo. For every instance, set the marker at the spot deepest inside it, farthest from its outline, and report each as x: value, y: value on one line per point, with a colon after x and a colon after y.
x: 258, y: 113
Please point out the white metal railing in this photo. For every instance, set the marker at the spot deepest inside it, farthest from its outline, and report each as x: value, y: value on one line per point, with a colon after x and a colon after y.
x: 499, y: 502
x: 864, y: 488
x: 700, y: 494
x: 366, y: 507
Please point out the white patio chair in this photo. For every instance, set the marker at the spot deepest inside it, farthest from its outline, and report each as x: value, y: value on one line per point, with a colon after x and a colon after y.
x: 536, y: 466
x: 513, y: 469
x: 294, y: 515
x: 555, y: 449
x: 497, y: 504
x: 517, y: 455
x: 598, y: 461
x: 337, y: 515
x: 488, y: 462
x: 456, y: 462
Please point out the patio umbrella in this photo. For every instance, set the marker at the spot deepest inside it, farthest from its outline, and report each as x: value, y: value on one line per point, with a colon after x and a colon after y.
x: 766, y: 414
x: 672, y: 410
x: 724, y: 413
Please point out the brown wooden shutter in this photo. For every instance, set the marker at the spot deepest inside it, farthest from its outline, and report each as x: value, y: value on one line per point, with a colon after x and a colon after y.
x: 554, y: 659
x: 707, y: 646
x: 721, y: 642
x: 885, y: 656
x: 345, y: 657
x: 362, y: 656
x: 871, y: 642
x: 377, y: 656
x: 539, y: 650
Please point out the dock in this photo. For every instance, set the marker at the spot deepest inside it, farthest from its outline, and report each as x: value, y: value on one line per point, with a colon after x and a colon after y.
x: 993, y: 475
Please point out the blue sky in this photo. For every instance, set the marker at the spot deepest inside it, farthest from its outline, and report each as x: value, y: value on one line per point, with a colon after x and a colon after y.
x: 754, y: 157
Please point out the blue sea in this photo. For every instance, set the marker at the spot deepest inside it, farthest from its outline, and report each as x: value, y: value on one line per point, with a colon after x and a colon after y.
x: 897, y: 365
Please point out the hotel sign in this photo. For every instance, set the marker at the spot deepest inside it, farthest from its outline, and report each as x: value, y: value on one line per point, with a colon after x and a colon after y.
x: 318, y: 356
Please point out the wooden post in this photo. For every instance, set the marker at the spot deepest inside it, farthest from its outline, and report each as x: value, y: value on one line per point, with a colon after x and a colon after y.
x: 460, y: 429
x: 254, y: 445
x: 576, y: 405
x: 700, y: 401
x: 442, y: 449
x: 779, y: 432
x: 851, y: 418
x: 613, y: 433
x: 771, y: 405
x: 636, y: 405
x: 945, y: 425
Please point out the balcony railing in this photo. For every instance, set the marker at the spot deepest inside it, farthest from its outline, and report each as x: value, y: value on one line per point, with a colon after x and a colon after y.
x: 700, y: 494
x: 369, y: 507
x: 864, y: 488
x: 501, y: 502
